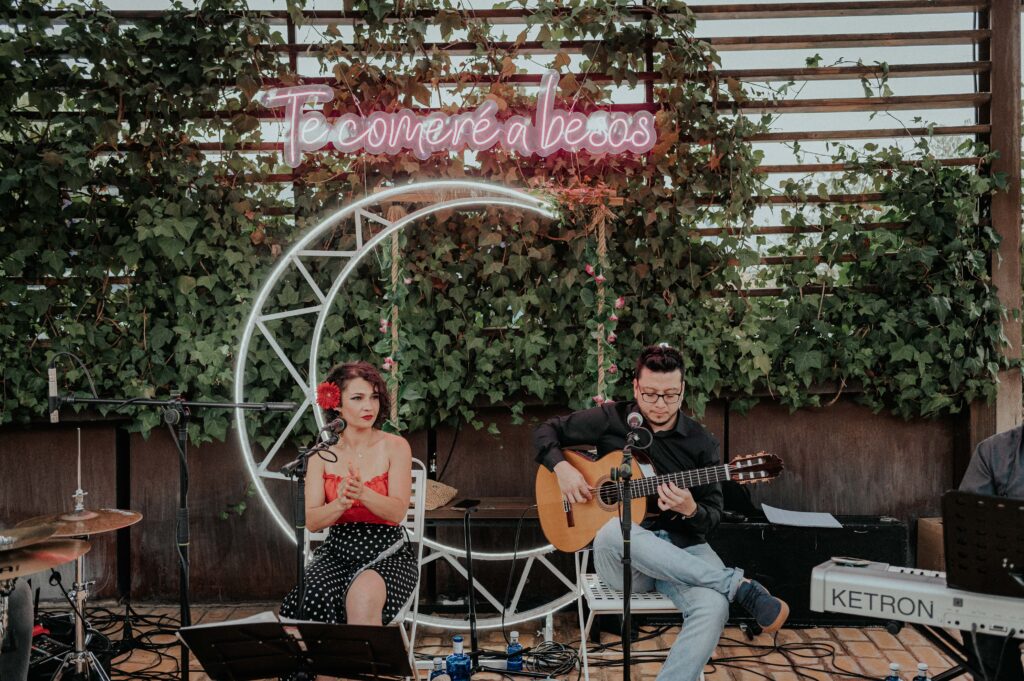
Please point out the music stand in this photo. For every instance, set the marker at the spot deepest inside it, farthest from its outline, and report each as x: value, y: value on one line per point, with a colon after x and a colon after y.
x: 261, y: 648
x: 984, y: 542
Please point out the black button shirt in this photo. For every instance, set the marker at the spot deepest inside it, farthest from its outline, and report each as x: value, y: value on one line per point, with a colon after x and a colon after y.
x: 686, y: 446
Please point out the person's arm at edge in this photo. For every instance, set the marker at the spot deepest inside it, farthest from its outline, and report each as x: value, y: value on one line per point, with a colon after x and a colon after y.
x: 978, y: 477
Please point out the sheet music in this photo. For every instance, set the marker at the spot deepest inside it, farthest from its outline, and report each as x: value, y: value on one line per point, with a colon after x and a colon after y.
x: 780, y: 516
x: 267, y: 616
x: 259, y: 618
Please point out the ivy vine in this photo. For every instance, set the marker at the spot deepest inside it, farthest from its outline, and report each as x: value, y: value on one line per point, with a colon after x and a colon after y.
x: 125, y: 243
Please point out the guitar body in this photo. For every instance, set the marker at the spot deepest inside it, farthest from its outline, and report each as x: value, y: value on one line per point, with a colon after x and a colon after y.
x: 573, y: 529
x: 570, y: 527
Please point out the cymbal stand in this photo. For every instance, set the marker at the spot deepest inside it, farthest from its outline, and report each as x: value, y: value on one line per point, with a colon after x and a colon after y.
x: 80, y: 658
x: 177, y: 414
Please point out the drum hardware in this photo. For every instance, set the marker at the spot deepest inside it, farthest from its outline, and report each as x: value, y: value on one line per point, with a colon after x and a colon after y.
x: 82, y: 522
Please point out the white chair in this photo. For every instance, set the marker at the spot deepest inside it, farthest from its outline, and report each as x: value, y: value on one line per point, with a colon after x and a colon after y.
x: 601, y: 599
x: 413, y: 524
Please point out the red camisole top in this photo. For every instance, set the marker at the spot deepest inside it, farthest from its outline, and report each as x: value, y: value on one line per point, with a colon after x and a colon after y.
x: 358, y: 513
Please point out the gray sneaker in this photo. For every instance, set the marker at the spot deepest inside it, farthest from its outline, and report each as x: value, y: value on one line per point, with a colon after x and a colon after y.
x: 769, y: 612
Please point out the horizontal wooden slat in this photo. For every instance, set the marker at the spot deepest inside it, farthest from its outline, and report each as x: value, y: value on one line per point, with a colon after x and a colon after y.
x: 721, y: 44
x: 767, y: 230
x: 783, y: 10
x: 790, y: 136
x: 821, y: 41
x: 775, y: 292
x: 50, y: 282
x: 945, y: 101
x: 760, y: 75
x: 796, y: 10
x: 840, y: 167
x: 871, y: 197
x: 779, y: 200
x: 776, y: 260
x: 797, y: 168
x: 909, y: 102
x: 755, y: 75
x: 845, y: 104
x: 880, y: 133
x: 857, y: 72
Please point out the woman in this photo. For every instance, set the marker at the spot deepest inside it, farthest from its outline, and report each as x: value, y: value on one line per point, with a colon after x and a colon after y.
x: 366, y: 570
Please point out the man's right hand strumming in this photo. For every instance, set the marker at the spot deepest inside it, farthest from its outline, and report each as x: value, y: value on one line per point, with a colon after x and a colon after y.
x: 572, y: 483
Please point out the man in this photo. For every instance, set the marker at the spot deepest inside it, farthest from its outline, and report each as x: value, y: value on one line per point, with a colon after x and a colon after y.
x: 17, y: 642
x: 670, y: 552
x: 997, y: 469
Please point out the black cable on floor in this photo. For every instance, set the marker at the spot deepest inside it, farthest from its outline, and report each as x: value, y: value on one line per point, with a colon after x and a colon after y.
x: 130, y: 633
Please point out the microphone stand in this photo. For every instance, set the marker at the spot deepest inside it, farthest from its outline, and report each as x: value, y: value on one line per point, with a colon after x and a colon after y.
x: 624, y: 474
x: 177, y: 413
x: 475, y: 665
x: 297, y: 471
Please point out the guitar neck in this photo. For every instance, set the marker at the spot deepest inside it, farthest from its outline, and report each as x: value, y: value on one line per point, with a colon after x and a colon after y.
x: 647, y: 487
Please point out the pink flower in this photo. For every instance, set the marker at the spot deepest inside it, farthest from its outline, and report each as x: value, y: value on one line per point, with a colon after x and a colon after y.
x: 612, y: 338
x: 613, y: 318
x: 620, y: 302
x: 389, y: 364
x: 407, y: 280
x: 613, y: 369
x: 600, y: 279
x: 589, y: 269
x: 598, y: 399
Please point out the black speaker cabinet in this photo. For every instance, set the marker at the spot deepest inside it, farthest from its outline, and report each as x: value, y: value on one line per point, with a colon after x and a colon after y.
x: 782, y: 557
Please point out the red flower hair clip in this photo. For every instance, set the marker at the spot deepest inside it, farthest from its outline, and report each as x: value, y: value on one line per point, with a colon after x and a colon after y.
x: 327, y: 395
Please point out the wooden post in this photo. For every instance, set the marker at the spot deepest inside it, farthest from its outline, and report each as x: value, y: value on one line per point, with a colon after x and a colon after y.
x: 1003, y: 113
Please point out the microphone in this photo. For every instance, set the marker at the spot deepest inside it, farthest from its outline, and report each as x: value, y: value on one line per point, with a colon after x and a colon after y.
x: 53, y: 401
x: 334, y: 428
x: 635, y: 422
x: 338, y: 425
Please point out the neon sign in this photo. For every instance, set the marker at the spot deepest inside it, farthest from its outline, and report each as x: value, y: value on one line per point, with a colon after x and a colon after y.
x: 549, y: 131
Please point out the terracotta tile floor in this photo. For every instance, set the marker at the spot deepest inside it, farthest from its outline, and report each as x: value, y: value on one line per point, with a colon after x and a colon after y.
x: 815, y: 654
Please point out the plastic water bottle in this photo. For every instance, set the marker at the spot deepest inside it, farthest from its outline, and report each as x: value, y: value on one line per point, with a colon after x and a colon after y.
x: 515, y: 653
x: 894, y: 672
x: 438, y: 672
x: 922, y: 672
x: 458, y: 663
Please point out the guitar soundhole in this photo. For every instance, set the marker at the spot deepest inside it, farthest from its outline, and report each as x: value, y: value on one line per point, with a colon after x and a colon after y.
x: 609, y: 494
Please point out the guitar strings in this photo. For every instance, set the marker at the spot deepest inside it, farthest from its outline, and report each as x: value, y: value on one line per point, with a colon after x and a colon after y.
x: 692, y: 478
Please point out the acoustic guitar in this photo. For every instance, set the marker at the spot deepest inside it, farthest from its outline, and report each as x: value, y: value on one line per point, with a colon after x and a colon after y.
x: 570, y: 527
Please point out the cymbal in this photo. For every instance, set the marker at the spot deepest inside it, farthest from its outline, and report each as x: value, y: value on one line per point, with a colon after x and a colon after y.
x: 87, y: 521
x: 23, y: 562
x: 20, y: 537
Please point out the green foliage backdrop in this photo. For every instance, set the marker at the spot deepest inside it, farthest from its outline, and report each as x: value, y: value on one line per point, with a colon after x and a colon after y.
x: 124, y: 243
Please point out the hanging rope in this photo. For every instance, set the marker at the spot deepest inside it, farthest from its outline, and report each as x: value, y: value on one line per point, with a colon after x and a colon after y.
x: 395, y: 213
x: 599, y: 221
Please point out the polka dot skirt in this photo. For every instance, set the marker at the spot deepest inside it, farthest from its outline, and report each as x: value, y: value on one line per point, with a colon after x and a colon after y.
x: 351, y: 548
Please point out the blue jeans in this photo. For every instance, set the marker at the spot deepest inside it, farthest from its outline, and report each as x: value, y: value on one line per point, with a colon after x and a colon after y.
x: 694, y: 578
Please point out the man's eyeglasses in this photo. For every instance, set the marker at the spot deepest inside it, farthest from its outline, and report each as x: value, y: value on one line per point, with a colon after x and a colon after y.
x: 652, y: 398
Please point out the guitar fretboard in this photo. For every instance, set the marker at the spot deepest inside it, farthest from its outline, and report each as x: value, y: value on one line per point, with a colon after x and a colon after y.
x: 646, y: 487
